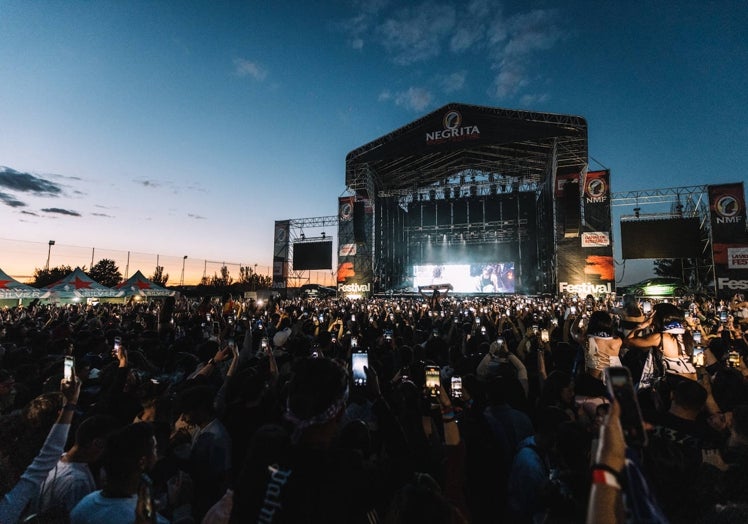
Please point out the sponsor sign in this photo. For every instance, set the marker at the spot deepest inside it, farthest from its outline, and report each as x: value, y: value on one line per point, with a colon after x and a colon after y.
x: 453, y: 130
x: 585, y: 288
x: 728, y: 284
x: 347, y: 250
x: 345, y: 209
x: 355, y: 288
x: 596, y: 239
x: 737, y: 258
x: 596, y: 187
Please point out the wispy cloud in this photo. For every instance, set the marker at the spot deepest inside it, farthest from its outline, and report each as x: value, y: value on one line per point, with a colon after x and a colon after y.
x: 454, y: 82
x: 508, y: 44
x: 414, y: 99
x: 27, y: 183
x: 29, y: 213
x: 104, y: 215
x: 59, y: 211
x: 531, y: 100
x: 196, y: 217
x: 148, y: 183
x: 244, y: 68
x: 10, y: 200
x: 415, y: 34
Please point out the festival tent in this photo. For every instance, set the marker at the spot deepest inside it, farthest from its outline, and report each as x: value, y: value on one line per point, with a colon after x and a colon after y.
x: 11, y: 288
x: 139, y: 285
x: 79, y: 285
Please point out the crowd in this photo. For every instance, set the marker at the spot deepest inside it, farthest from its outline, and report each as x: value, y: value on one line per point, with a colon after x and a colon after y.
x: 228, y: 410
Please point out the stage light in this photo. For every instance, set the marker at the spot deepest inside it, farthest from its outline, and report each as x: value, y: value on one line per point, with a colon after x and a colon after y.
x: 303, y: 236
x: 323, y: 234
x: 637, y: 212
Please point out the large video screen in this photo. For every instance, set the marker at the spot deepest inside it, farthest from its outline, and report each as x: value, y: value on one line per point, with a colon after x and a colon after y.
x: 467, y: 278
x: 312, y: 255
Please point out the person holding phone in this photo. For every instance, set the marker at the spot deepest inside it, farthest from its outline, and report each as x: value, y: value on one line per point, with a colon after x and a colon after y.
x: 665, y: 343
x: 601, y: 350
x: 14, y: 501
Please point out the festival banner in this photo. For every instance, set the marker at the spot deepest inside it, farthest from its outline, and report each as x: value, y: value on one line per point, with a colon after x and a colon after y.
x: 597, y: 201
x: 280, y: 253
x: 584, y: 272
x: 727, y: 210
x: 596, y: 239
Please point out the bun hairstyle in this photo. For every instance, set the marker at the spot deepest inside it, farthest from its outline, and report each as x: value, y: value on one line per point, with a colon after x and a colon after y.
x: 600, y: 325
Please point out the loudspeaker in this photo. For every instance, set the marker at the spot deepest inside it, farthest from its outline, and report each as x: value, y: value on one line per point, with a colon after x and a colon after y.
x: 359, y: 222
x: 571, y: 204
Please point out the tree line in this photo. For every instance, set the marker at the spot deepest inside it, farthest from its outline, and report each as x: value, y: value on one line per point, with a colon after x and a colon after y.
x: 106, y: 272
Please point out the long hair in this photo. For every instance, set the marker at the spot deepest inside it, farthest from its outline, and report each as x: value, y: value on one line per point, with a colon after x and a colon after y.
x: 665, y: 313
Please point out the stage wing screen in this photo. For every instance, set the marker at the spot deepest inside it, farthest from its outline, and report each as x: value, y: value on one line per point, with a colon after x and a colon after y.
x: 467, y: 278
x: 662, y: 238
x: 312, y: 255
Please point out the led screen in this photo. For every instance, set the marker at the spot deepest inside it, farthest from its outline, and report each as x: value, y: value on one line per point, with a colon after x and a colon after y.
x: 312, y: 255
x: 467, y: 278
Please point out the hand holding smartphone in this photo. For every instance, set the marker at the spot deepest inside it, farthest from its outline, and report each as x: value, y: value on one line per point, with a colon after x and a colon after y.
x: 68, y: 369
x: 432, y: 381
x: 359, y: 360
x: 621, y: 388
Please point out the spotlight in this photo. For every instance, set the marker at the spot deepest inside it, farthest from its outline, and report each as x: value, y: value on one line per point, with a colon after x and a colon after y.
x: 637, y: 212
x: 303, y: 236
x: 323, y: 234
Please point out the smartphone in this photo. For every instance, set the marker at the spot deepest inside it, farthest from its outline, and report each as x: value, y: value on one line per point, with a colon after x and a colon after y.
x: 723, y: 316
x: 353, y: 317
x: 117, y: 346
x: 646, y: 308
x: 573, y: 310
x: 483, y: 330
x: 697, y: 357
x: 231, y: 343
x: 733, y: 359
x: 354, y: 342
x: 432, y: 380
x: 264, y: 344
x: 621, y: 387
x: 456, y: 384
x: 146, y: 492
x: 207, y: 317
x: 535, y: 329
x: 388, y: 334
x: 68, y: 369
x: 545, y: 336
x: 322, y: 318
x: 359, y: 359
x: 697, y: 337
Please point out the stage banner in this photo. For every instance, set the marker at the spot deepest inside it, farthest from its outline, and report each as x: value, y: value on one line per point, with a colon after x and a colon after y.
x: 584, y: 271
x: 354, y: 269
x: 280, y: 253
x: 597, y: 201
x: 727, y: 210
x: 563, y: 180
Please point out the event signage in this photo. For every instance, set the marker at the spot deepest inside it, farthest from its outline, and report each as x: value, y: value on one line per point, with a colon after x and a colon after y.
x: 347, y: 250
x: 729, y: 239
x: 595, y: 239
x: 453, y: 130
x: 280, y: 253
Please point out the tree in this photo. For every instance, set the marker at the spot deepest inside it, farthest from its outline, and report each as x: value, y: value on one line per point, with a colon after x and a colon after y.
x: 105, y: 272
x: 158, y: 276
x: 45, y: 277
x: 250, y: 278
x: 224, y: 280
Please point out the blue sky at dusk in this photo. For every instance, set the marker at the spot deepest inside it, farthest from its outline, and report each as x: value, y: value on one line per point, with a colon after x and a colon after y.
x: 189, y: 127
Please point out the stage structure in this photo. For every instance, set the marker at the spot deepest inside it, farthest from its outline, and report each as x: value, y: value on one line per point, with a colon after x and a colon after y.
x: 705, y: 226
x: 309, y: 238
x: 490, y: 200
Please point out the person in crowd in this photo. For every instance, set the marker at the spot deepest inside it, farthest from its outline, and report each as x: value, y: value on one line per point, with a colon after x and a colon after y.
x: 130, y: 453
x: 72, y: 479
x: 27, y: 487
x: 601, y: 350
x: 666, y: 339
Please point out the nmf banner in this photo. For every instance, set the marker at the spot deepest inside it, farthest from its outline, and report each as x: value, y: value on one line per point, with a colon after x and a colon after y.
x: 280, y: 253
x: 729, y: 240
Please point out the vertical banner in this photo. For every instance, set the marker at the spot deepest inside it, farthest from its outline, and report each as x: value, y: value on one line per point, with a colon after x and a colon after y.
x: 280, y: 254
x: 354, y: 268
x: 729, y: 239
x: 584, y: 262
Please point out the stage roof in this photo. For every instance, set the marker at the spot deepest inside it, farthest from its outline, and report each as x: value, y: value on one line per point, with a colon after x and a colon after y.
x: 459, y: 137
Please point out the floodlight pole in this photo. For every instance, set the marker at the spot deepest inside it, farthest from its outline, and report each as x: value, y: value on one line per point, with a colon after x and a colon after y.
x: 49, y: 253
x: 181, y: 278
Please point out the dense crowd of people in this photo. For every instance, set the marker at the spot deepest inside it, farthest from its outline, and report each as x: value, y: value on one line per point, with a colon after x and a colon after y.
x: 463, y: 409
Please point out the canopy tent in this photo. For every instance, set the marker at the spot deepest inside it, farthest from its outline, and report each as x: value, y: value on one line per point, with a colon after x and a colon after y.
x: 138, y: 284
x: 79, y: 285
x: 11, y: 288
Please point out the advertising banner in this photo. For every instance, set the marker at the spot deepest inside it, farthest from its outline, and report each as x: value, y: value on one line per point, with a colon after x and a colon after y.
x: 597, y: 201
x: 280, y: 253
x: 727, y: 210
x: 584, y: 272
x: 729, y: 239
x: 354, y: 266
x: 596, y: 239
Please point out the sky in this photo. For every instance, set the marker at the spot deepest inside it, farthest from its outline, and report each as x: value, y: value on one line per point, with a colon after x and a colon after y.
x: 188, y: 128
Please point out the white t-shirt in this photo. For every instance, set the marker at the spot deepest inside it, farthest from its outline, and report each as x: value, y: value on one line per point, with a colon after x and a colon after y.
x: 66, y: 484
